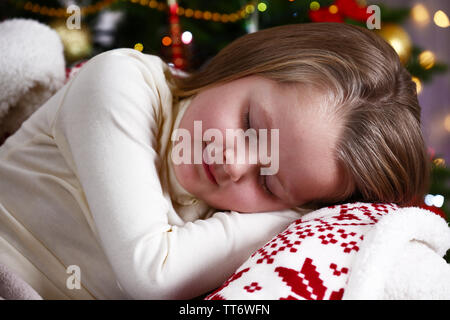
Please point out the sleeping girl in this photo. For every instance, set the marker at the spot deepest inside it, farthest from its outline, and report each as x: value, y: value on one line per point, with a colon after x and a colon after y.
x: 92, y: 179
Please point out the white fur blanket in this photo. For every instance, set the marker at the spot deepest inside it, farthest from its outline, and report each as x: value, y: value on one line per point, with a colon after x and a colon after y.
x: 32, y: 69
x: 13, y: 287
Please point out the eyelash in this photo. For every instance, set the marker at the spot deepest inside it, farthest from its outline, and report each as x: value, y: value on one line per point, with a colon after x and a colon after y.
x: 246, y: 122
x: 264, y: 186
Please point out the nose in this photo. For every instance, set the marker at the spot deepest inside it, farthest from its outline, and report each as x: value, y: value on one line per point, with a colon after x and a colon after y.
x: 237, y: 165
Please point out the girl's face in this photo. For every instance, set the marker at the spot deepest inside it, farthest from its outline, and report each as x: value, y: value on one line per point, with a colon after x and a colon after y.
x: 306, y: 168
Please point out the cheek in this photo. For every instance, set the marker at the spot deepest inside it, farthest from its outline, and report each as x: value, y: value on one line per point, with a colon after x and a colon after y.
x: 231, y: 198
x: 215, y: 111
x: 185, y: 175
x: 236, y: 202
x: 220, y: 120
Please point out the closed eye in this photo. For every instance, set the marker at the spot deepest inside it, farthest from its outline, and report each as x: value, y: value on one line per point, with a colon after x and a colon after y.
x: 246, y: 125
x: 264, y: 186
x: 246, y: 120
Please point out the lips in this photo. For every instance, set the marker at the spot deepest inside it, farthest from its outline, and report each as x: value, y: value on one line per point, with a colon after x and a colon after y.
x: 208, y: 171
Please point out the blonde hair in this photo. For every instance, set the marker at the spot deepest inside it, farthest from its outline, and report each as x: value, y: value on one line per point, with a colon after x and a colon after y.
x: 380, y: 151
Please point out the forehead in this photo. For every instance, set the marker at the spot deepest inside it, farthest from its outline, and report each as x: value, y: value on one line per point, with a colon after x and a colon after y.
x: 308, y: 134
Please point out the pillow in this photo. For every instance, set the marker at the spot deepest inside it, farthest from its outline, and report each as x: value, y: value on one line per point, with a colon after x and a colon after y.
x: 73, y: 70
x: 310, y: 260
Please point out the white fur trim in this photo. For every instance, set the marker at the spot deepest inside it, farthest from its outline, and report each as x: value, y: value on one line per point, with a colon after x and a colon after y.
x: 31, y: 56
x: 386, y: 243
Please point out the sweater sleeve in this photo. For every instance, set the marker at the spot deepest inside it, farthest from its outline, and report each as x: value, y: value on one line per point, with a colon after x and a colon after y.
x: 107, y: 130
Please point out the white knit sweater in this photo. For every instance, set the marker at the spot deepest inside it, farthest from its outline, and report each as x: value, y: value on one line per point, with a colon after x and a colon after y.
x: 86, y: 182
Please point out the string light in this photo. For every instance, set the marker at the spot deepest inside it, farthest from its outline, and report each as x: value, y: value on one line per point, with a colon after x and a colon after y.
x: 186, y: 37
x: 333, y: 9
x: 262, y: 7
x: 434, y: 200
x: 447, y: 122
x: 139, y: 47
x: 418, y: 84
x: 249, y: 8
x: 427, y: 59
x: 61, y: 12
x: 439, y: 162
x: 441, y: 19
x: 243, y: 13
x: 166, y: 41
x: 314, y: 6
x: 420, y: 14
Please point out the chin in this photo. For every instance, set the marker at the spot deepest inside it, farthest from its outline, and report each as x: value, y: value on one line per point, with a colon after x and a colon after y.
x: 215, y: 205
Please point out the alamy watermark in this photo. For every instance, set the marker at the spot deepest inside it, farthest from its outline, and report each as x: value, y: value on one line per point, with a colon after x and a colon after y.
x: 374, y: 21
x: 74, y: 279
x: 234, y: 153
x: 74, y: 20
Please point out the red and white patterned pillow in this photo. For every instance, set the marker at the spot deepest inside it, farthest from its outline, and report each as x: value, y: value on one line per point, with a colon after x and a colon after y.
x: 311, y: 259
x: 72, y: 71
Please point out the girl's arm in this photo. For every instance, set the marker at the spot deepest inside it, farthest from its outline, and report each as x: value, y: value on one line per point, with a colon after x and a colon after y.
x: 107, y: 129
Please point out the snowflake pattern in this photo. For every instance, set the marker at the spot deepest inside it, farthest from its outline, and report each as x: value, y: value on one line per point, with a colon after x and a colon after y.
x: 309, y: 260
